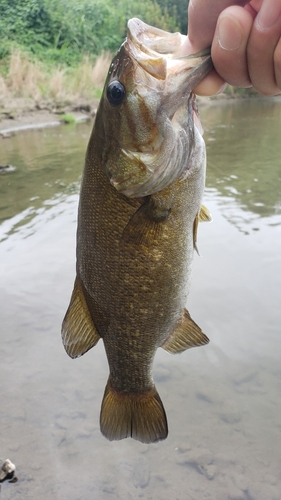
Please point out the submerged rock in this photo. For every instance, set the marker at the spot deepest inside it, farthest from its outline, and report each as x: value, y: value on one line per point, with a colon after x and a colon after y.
x: 6, y: 168
x: 7, y: 470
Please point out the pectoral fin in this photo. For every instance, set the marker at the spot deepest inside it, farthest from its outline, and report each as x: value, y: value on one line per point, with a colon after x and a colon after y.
x: 78, y: 330
x: 186, y: 335
x: 146, y: 224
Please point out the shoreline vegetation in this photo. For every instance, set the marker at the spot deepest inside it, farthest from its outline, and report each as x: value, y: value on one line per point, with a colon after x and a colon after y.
x: 55, y: 54
x: 31, y: 92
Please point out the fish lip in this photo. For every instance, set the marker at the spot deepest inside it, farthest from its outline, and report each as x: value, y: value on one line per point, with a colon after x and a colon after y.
x: 158, y: 53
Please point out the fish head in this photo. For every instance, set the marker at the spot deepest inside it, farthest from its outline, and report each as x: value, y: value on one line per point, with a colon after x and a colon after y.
x: 146, y: 113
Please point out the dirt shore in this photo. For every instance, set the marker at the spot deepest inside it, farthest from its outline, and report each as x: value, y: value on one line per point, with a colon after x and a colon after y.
x: 21, y: 114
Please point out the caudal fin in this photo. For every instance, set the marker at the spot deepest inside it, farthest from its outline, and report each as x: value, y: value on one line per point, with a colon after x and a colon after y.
x: 140, y: 416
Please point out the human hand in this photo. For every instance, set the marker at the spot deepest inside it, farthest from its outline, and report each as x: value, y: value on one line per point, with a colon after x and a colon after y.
x: 245, y: 40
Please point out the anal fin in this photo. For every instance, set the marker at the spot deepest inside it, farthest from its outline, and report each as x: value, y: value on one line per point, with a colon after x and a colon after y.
x: 187, y: 334
x: 78, y: 330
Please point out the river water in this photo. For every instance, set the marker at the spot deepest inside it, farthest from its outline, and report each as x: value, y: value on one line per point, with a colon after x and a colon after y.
x: 223, y: 400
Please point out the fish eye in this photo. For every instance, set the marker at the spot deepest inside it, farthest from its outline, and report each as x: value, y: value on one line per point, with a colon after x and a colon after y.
x: 115, y: 93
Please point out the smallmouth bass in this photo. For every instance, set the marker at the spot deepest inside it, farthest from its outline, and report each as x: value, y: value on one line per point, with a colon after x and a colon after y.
x: 139, y: 208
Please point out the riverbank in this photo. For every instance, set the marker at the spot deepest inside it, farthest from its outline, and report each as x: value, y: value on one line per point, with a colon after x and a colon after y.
x: 32, y: 94
x: 21, y: 114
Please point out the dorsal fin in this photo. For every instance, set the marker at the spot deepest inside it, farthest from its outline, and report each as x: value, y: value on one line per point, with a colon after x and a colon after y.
x: 204, y: 214
x: 195, y: 229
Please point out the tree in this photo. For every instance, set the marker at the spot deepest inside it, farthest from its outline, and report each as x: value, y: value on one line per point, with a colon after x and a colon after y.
x: 178, y: 10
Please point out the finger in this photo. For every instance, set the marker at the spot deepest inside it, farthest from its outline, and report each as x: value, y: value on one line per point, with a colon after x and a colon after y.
x: 253, y: 7
x: 255, y: 4
x: 202, y: 20
x: 277, y: 62
x: 264, y: 49
x: 229, y: 48
x: 212, y: 84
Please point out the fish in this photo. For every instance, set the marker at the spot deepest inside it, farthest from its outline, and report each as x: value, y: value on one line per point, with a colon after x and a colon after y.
x: 139, y: 208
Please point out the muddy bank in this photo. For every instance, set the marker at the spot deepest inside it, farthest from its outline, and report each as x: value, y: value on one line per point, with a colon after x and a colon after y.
x: 18, y: 114
x: 21, y: 114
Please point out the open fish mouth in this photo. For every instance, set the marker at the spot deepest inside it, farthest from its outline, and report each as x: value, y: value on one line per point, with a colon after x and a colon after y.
x: 151, y: 47
x: 159, y: 52
x: 156, y: 121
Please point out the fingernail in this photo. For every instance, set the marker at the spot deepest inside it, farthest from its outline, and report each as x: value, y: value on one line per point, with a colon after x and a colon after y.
x: 229, y: 33
x: 268, y: 15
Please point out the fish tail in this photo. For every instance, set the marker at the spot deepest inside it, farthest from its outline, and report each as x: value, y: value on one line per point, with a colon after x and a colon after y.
x: 137, y: 415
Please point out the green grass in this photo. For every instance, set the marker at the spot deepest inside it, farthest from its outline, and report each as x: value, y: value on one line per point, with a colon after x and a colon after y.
x: 68, y: 118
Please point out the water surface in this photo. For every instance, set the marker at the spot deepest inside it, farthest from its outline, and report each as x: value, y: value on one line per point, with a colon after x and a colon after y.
x: 222, y: 400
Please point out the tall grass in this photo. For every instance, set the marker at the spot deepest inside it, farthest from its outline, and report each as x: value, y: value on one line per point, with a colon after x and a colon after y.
x: 29, y: 79
x: 25, y: 78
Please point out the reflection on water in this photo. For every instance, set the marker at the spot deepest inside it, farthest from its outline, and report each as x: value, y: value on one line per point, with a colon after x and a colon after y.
x: 244, y: 151
x: 48, y: 167
x: 222, y: 401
